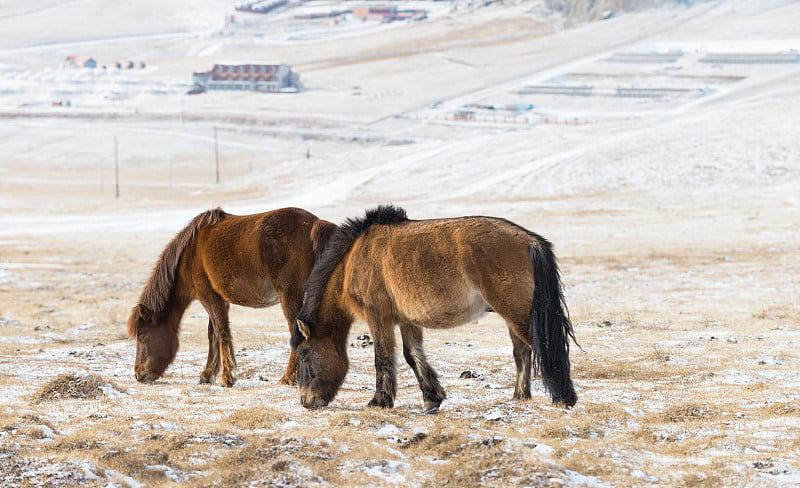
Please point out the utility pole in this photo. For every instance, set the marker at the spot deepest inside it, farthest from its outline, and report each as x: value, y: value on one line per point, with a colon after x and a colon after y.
x: 216, y: 152
x: 116, y: 167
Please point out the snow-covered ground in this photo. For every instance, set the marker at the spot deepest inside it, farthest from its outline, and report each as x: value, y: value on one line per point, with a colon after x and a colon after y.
x: 674, y: 214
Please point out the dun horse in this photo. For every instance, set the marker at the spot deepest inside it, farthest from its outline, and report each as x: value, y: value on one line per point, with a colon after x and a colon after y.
x: 386, y: 269
x: 219, y: 259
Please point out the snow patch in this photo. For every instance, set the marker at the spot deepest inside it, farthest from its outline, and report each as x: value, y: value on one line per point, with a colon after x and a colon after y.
x: 388, y: 429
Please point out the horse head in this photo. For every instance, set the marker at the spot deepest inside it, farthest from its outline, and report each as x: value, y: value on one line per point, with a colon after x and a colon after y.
x: 156, y: 344
x: 322, y: 365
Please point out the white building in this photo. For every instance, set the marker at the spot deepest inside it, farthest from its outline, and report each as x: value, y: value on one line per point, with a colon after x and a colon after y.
x: 272, y: 77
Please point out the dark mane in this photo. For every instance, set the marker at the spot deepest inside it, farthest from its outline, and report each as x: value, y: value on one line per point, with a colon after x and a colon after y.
x: 338, y: 245
x: 155, y: 295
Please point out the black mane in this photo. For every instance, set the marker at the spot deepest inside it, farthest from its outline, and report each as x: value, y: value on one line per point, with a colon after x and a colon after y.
x: 338, y: 245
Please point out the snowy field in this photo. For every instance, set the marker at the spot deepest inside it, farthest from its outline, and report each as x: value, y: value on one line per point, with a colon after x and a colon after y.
x: 666, y: 177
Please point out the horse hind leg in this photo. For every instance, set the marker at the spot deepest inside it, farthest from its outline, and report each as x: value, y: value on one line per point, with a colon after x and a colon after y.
x: 432, y: 392
x: 211, y: 370
x: 511, y: 301
x: 524, y: 362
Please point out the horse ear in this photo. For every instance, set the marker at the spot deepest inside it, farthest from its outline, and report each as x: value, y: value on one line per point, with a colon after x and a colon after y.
x: 139, y: 314
x: 303, y: 328
x: 144, y: 313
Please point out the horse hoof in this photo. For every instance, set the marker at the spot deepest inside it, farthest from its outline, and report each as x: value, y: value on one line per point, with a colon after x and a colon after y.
x: 204, y: 381
x: 430, y: 410
x: 381, y: 404
x: 287, y: 381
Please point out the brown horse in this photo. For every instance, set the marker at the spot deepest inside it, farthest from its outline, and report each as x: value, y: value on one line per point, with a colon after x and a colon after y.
x: 386, y: 269
x: 219, y: 259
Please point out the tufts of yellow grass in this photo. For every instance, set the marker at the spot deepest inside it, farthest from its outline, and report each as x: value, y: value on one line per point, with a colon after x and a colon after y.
x: 252, y: 418
x: 72, y: 385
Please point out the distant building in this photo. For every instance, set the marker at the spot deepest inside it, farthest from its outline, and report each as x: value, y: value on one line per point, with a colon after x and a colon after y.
x: 261, y: 6
x: 388, y: 13
x: 750, y: 58
x: 81, y: 62
x: 247, y: 77
x: 374, y: 12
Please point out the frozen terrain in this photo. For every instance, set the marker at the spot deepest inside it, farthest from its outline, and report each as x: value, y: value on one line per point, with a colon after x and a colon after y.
x: 663, y: 168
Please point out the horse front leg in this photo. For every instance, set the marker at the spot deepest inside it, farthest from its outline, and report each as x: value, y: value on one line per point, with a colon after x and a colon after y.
x: 290, y: 303
x: 432, y: 392
x: 290, y: 375
x: 218, y: 316
x: 385, y: 367
x: 211, y: 370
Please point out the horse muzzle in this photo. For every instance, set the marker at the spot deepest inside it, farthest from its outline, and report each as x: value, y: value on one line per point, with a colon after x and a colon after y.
x: 146, y: 376
x: 312, y: 401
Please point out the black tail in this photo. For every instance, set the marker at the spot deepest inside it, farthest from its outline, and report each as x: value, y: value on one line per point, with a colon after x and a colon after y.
x: 551, y: 328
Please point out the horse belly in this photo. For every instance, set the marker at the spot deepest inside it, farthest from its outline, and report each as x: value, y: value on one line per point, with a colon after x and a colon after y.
x: 269, y: 298
x: 251, y: 293
x: 441, y: 311
x: 234, y: 265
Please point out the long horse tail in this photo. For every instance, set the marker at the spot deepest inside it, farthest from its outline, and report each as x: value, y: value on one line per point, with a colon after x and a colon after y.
x: 551, y: 328
x: 155, y: 295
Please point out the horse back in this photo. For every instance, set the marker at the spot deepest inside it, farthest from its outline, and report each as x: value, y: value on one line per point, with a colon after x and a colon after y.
x: 250, y: 260
x: 441, y: 273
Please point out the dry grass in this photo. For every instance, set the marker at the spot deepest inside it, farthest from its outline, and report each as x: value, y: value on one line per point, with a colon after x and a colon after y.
x: 783, y: 409
x: 652, y: 367
x: 691, y: 412
x: 486, y: 463
x: 647, y: 384
x: 72, y: 385
x: 789, y: 313
x: 256, y: 418
x: 287, y: 460
x: 371, y: 418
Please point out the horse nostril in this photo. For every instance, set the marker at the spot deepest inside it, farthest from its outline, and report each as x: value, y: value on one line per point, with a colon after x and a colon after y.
x: 317, y: 402
x: 146, y: 377
x: 309, y: 401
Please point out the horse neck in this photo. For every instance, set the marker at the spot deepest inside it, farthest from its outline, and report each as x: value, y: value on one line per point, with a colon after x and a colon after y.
x: 337, y: 332
x: 173, y: 313
x: 164, y: 286
x: 338, y: 318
